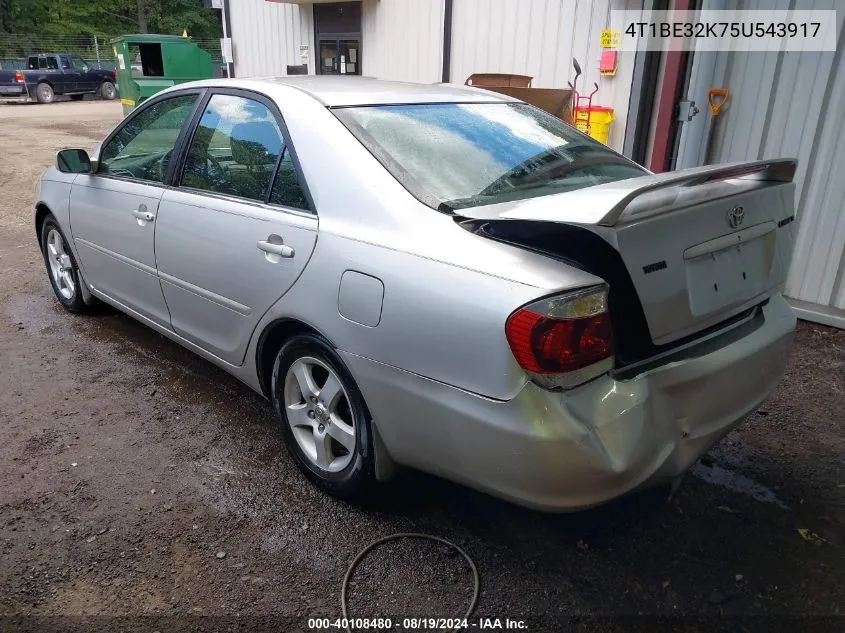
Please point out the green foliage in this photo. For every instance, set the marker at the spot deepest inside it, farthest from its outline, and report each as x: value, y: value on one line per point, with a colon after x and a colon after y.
x: 107, y: 18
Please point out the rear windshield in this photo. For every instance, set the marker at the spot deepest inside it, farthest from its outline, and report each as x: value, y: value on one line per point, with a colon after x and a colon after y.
x: 457, y: 155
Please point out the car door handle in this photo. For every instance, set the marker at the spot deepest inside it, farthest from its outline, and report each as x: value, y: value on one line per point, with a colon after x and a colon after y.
x: 143, y: 215
x: 282, y: 250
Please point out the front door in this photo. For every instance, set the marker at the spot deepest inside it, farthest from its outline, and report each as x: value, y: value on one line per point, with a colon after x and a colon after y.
x: 86, y: 80
x: 236, y: 233
x: 340, y: 57
x: 114, y: 211
x: 71, y: 77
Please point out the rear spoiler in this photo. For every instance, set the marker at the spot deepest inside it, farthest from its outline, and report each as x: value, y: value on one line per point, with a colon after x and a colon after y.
x: 778, y: 170
x: 615, y: 202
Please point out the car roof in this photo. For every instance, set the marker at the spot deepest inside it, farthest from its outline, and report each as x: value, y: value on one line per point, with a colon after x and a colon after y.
x: 338, y: 91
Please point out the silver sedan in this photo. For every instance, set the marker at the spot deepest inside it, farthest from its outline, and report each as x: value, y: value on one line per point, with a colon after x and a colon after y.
x: 437, y: 277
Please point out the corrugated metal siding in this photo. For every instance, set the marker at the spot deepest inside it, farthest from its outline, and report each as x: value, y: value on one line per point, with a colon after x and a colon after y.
x: 266, y: 37
x: 540, y: 38
x: 791, y: 104
x: 402, y: 39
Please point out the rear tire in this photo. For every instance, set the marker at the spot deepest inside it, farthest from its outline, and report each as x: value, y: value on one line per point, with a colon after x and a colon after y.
x: 325, y: 425
x: 77, y: 97
x: 108, y: 91
x: 44, y: 93
x: 61, y: 267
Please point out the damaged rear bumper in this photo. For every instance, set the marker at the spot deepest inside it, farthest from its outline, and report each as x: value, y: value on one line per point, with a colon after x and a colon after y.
x: 571, y: 450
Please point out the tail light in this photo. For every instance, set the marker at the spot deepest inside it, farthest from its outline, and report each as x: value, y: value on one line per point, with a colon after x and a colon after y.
x: 565, y: 340
x: 114, y: 72
x: 19, y: 76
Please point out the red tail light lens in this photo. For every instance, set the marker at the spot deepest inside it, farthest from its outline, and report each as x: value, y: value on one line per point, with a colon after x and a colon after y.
x: 114, y: 72
x: 563, y: 341
x: 19, y: 76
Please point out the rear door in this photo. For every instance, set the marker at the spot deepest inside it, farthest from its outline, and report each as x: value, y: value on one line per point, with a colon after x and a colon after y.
x: 114, y: 211
x: 238, y: 230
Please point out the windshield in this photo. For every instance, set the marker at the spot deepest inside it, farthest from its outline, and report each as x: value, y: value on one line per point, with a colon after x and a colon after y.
x: 456, y: 155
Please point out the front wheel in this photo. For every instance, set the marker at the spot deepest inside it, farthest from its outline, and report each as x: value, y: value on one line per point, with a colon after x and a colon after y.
x: 44, y: 93
x: 61, y: 266
x: 324, y: 420
x: 108, y: 91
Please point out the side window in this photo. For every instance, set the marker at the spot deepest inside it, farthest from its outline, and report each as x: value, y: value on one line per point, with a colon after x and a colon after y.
x: 79, y: 64
x: 65, y: 62
x: 286, y: 189
x: 143, y: 147
x: 52, y: 64
x: 32, y: 63
x: 234, y: 149
x: 42, y: 63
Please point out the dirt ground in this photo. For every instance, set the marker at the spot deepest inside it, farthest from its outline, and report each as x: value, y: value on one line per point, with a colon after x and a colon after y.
x: 143, y: 489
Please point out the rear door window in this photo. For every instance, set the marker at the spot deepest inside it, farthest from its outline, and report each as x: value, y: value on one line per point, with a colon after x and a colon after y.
x: 235, y: 148
x: 287, y: 190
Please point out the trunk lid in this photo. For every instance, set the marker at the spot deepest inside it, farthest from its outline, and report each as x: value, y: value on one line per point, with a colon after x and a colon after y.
x: 699, y: 246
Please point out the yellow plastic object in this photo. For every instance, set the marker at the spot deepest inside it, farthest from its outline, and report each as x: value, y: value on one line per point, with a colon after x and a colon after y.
x: 595, y: 121
x: 717, y: 98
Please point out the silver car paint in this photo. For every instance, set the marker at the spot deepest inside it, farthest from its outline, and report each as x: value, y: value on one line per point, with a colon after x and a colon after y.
x: 440, y: 339
x: 217, y: 281
x: 116, y: 244
x: 564, y: 451
x: 672, y: 308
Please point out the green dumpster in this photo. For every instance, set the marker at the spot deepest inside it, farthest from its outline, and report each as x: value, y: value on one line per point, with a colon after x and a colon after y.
x: 149, y: 63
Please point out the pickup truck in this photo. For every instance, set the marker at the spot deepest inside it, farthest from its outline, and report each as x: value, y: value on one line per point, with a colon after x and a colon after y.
x: 47, y: 75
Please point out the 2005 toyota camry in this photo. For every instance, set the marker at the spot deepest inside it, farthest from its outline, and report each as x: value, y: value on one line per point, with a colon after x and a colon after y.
x: 436, y: 276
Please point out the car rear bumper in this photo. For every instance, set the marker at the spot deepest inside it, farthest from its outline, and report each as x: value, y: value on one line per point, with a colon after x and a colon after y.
x: 19, y: 97
x: 575, y: 449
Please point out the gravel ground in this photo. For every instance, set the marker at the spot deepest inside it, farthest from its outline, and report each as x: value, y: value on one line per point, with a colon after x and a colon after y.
x: 143, y: 489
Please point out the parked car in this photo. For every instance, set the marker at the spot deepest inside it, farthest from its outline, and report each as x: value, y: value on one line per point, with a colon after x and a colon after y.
x: 47, y: 75
x: 438, y: 277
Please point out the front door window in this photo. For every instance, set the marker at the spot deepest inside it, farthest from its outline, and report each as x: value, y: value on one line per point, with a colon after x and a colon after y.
x: 143, y: 146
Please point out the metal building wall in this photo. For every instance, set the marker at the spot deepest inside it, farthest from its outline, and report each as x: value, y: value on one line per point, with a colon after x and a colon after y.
x: 790, y: 104
x: 402, y: 39
x: 540, y: 38
x: 266, y: 37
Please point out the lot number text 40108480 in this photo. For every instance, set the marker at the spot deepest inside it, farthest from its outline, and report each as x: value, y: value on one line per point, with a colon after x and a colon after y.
x: 423, y: 624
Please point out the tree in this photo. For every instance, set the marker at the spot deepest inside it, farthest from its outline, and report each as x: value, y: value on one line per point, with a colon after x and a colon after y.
x: 142, y: 21
x: 75, y: 18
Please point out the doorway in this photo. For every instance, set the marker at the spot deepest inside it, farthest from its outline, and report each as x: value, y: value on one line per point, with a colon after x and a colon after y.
x: 337, y: 28
x: 340, y: 56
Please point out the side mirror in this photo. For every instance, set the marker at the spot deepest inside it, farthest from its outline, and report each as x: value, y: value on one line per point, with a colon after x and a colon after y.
x: 73, y: 161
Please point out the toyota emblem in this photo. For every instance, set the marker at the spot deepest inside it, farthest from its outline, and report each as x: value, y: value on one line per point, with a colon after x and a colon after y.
x: 735, y: 216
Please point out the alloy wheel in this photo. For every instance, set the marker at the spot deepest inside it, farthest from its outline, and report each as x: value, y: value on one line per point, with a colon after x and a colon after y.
x: 319, y: 414
x: 61, y: 267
